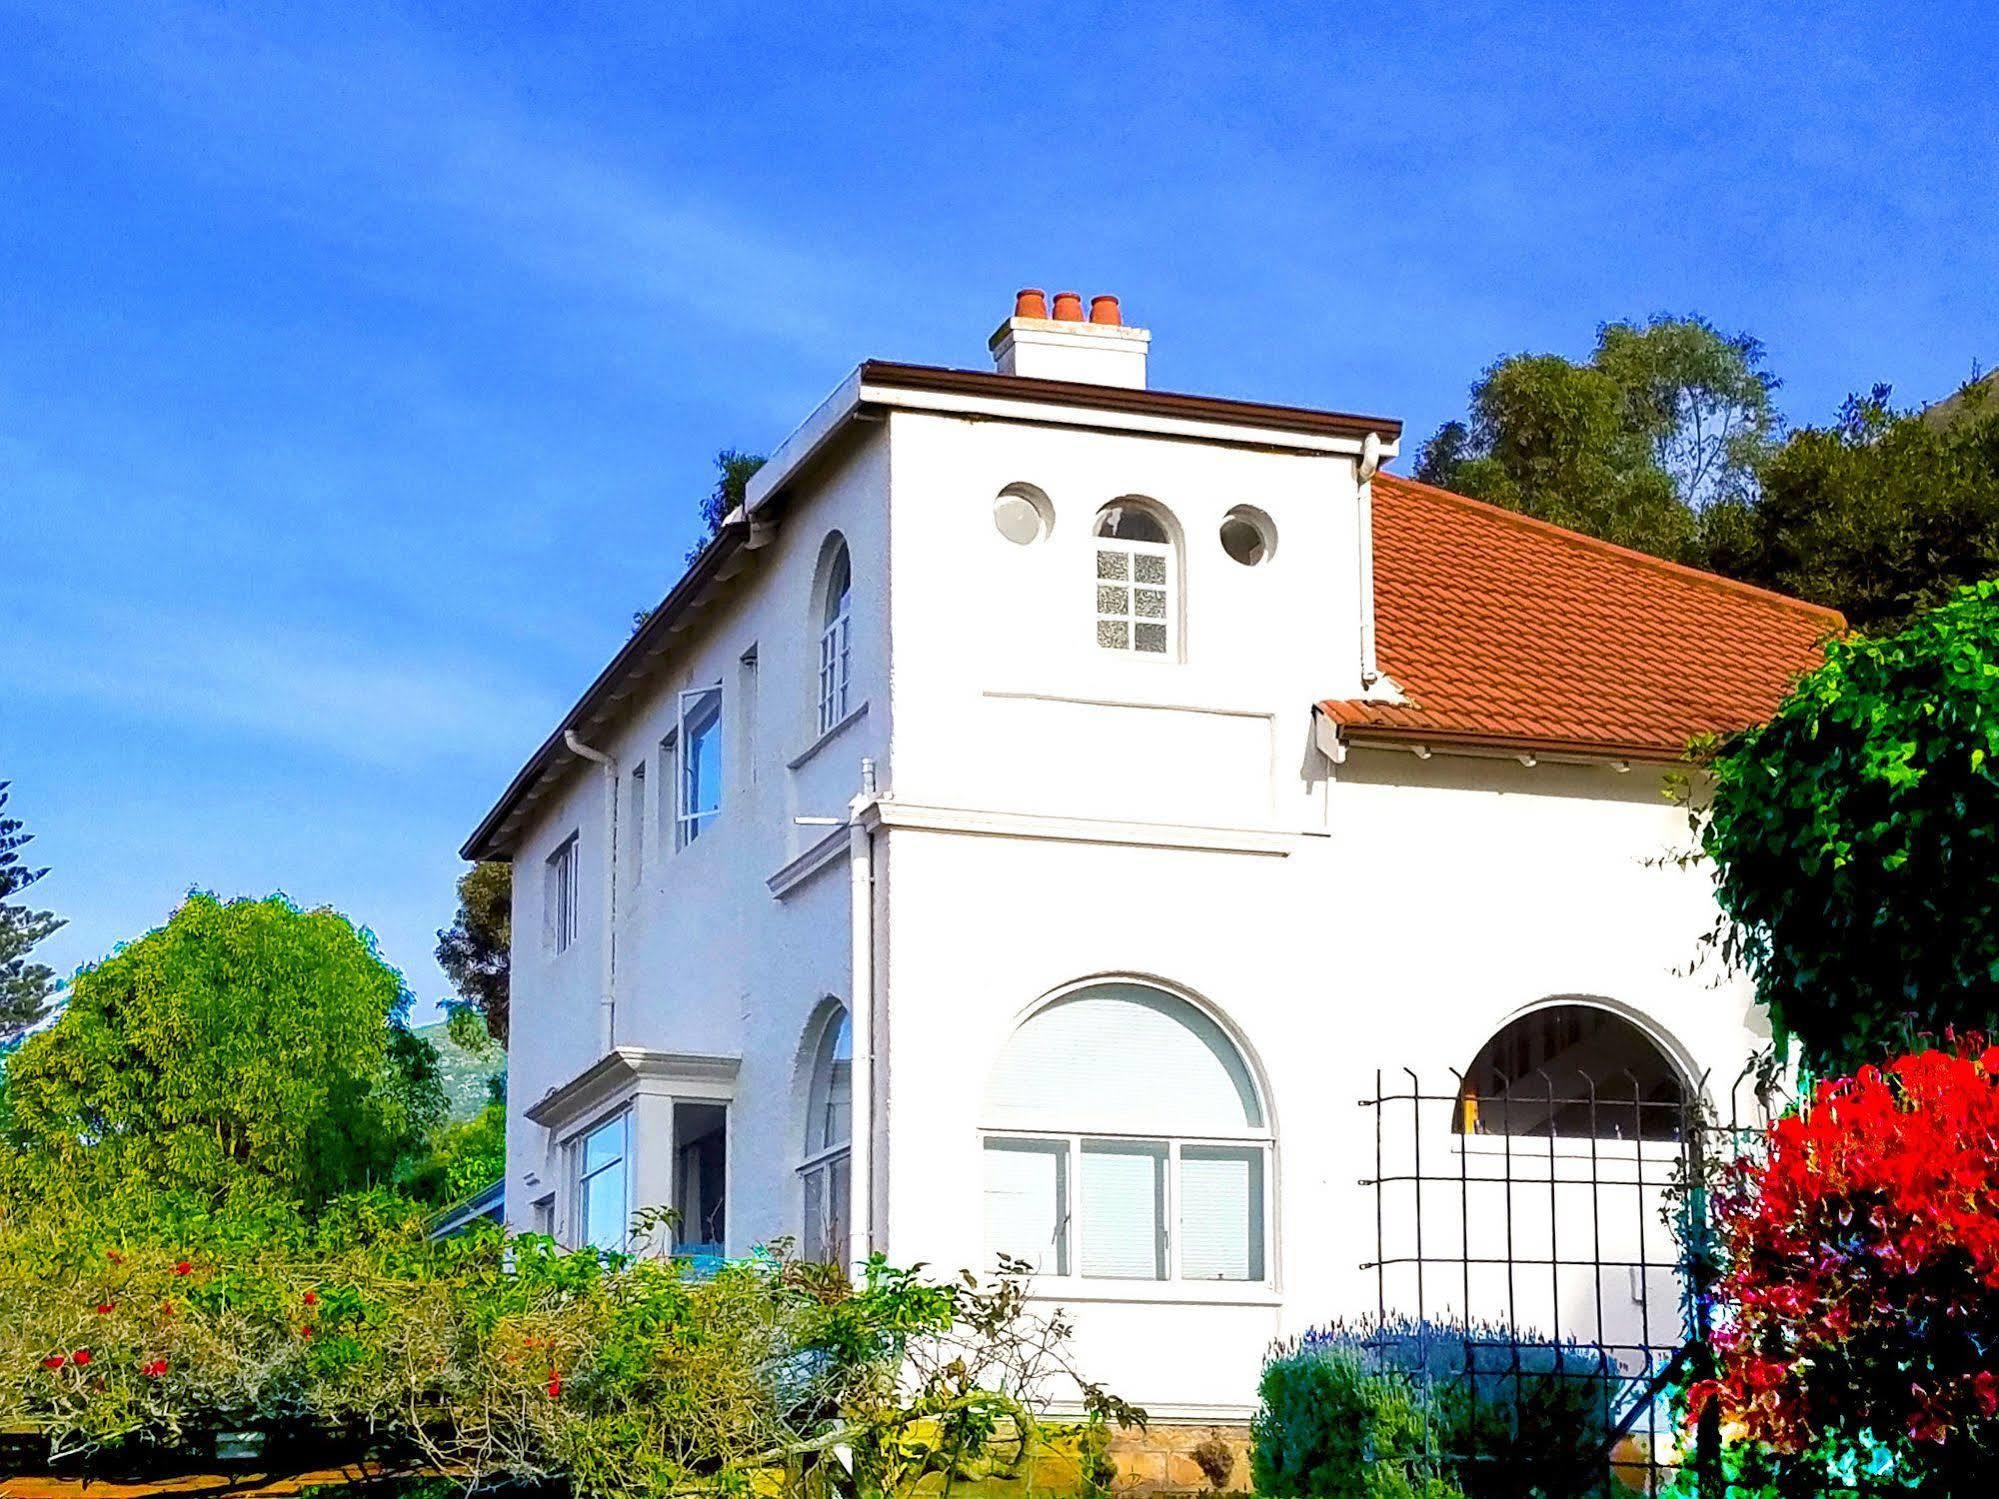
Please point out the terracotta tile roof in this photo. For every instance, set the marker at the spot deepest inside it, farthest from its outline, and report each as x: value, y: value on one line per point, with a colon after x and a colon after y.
x: 1521, y: 635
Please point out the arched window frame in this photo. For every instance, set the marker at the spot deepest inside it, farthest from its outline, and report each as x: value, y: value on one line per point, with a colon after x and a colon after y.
x: 1069, y: 1257
x: 836, y: 634
x: 1131, y: 578
x: 824, y: 1175
x: 1607, y: 1103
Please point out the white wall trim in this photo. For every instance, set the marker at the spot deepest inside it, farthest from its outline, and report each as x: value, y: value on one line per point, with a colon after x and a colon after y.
x: 1271, y: 842
x: 823, y: 855
x: 854, y: 716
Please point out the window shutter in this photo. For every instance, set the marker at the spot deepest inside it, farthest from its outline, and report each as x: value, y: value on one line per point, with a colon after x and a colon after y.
x: 1124, y: 1210
x: 1027, y: 1193
x: 1221, y: 1213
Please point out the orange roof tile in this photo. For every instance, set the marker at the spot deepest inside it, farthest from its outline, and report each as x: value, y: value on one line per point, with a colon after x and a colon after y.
x: 1509, y: 631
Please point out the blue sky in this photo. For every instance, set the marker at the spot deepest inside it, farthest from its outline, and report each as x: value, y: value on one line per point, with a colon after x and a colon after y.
x: 360, y: 365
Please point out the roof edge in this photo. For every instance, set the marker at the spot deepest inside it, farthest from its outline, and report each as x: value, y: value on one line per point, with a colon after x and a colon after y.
x: 1834, y: 617
x: 1477, y: 742
x: 723, y: 545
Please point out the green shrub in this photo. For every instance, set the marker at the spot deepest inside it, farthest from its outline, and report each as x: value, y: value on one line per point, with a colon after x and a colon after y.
x: 1327, y: 1426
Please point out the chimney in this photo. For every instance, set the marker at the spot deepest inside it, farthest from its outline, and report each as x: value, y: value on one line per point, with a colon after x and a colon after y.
x: 1097, y: 349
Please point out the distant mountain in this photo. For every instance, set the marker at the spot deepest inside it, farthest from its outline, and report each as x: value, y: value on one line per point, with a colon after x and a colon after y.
x: 1980, y: 394
x: 464, y: 1073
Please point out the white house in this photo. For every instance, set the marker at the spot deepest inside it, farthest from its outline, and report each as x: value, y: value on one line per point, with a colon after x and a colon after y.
x: 1035, y: 817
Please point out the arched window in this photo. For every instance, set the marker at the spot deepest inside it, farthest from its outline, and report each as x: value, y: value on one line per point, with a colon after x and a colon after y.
x: 829, y: 1124
x: 836, y: 646
x: 1572, y: 1071
x: 1125, y: 1139
x: 1136, y: 578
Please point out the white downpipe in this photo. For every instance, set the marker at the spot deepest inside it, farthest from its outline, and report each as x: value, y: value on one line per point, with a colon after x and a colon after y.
x: 607, y: 1009
x: 861, y: 1018
x: 1365, y: 470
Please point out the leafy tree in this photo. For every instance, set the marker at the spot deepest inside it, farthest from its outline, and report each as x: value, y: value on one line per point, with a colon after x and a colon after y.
x: 1881, y: 515
x: 475, y: 951
x: 1856, y: 841
x: 25, y: 988
x: 467, y: 1156
x: 733, y: 471
x: 1665, y: 418
x: 246, y: 1049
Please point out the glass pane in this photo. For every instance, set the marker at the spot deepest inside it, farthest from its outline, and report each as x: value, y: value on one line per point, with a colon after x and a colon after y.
x: 832, y: 1105
x: 813, y: 1245
x: 1113, y: 600
x: 1027, y: 1203
x: 1150, y: 638
x: 1124, y: 1210
x: 1122, y: 1058
x: 1151, y: 602
x: 701, y: 758
x: 1113, y: 565
x: 1017, y: 519
x: 1221, y: 1213
x: 1114, y: 634
x: 839, y: 1191
x: 1131, y: 523
x: 1149, y: 567
x: 603, y: 1146
x: 839, y: 587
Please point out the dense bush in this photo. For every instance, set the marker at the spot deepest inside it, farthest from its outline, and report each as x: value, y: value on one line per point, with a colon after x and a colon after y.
x: 1860, y: 1286
x: 1504, y: 1416
x: 1327, y: 1426
x: 492, y: 1360
x: 1855, y: 839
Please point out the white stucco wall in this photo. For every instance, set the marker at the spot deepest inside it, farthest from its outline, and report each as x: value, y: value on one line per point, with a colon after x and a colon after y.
x: 708, y: 961
x: 1384, y: 913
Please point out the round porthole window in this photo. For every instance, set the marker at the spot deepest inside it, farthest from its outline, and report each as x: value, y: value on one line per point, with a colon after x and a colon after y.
x: 1023, y: 515
x: 1248, y: 536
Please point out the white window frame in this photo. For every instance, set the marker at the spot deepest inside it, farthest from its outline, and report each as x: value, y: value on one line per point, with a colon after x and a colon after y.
x: 1073, y: 1213
x: 688, y: 820
x: 1113, y: 555
x: 836, y: 646
x: 579, y: 1181
x: 821, y: 1164
x: 562, y: 895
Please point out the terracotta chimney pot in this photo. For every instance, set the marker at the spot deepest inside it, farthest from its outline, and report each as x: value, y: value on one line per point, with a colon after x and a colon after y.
x: 1068, y: 307
x: 1030, y: 301
x: 1104, y: 309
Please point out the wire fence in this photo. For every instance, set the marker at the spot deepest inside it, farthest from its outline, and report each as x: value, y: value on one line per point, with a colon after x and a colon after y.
x: 1542, y: 1267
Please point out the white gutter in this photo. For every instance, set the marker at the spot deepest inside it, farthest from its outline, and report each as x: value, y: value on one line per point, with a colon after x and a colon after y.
x: 1364, y: 471
x: 861, y: 1019
x: 607, y: 1029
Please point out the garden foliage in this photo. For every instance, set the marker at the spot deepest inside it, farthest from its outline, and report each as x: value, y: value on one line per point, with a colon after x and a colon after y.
x: 1861, y: 1282
x: 1855, y: 839
x: 245, y: 1049
x: 1499, y: 1416
x: 511, y: 1361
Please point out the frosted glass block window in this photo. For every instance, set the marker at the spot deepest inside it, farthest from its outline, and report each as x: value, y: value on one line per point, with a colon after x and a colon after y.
x: 1126, y: 1140
x: 1135, y: 555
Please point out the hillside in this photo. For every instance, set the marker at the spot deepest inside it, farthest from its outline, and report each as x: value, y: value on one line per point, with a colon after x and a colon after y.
x: 464, y: 1072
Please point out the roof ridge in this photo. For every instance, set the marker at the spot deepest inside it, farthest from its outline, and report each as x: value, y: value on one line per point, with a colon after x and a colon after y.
x: 1596, y: 543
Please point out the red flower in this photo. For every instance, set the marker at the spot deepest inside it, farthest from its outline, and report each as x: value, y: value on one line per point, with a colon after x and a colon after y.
x: 114, y: 1256
x: 305, y: 1332
x: 154, y: 1369
x: 104, y: 1308
x: 312, y: 1298
x: 554, y: 1385
x: 80, y: 1357
x: 183, y: 1268
x: 54, y: 1361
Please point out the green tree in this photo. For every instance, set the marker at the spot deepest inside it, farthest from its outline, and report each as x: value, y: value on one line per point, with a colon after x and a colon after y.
x: 246, y: 1049
x: 467, y: 1156
x: 1665, y: 418
x: 25, y: 987
x: 733, y: 472
x: 1855, y: 839
x: 1881, y: 515
x: 476, y: 951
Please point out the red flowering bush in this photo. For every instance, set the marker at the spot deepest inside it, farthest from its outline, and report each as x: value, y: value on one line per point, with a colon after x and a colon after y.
x: 1860, y: 1293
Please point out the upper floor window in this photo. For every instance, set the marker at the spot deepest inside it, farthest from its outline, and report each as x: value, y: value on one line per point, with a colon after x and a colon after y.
x: 836, y: 647
x: 698, y: 746
x: 560, y: 881
x: 1125, y: 1139
x: 1572, y: 1071
x: 1135, y: 579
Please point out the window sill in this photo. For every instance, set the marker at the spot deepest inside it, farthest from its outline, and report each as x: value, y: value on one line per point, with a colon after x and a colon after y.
x: 1154, y: 1293
x: 854, y: 716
